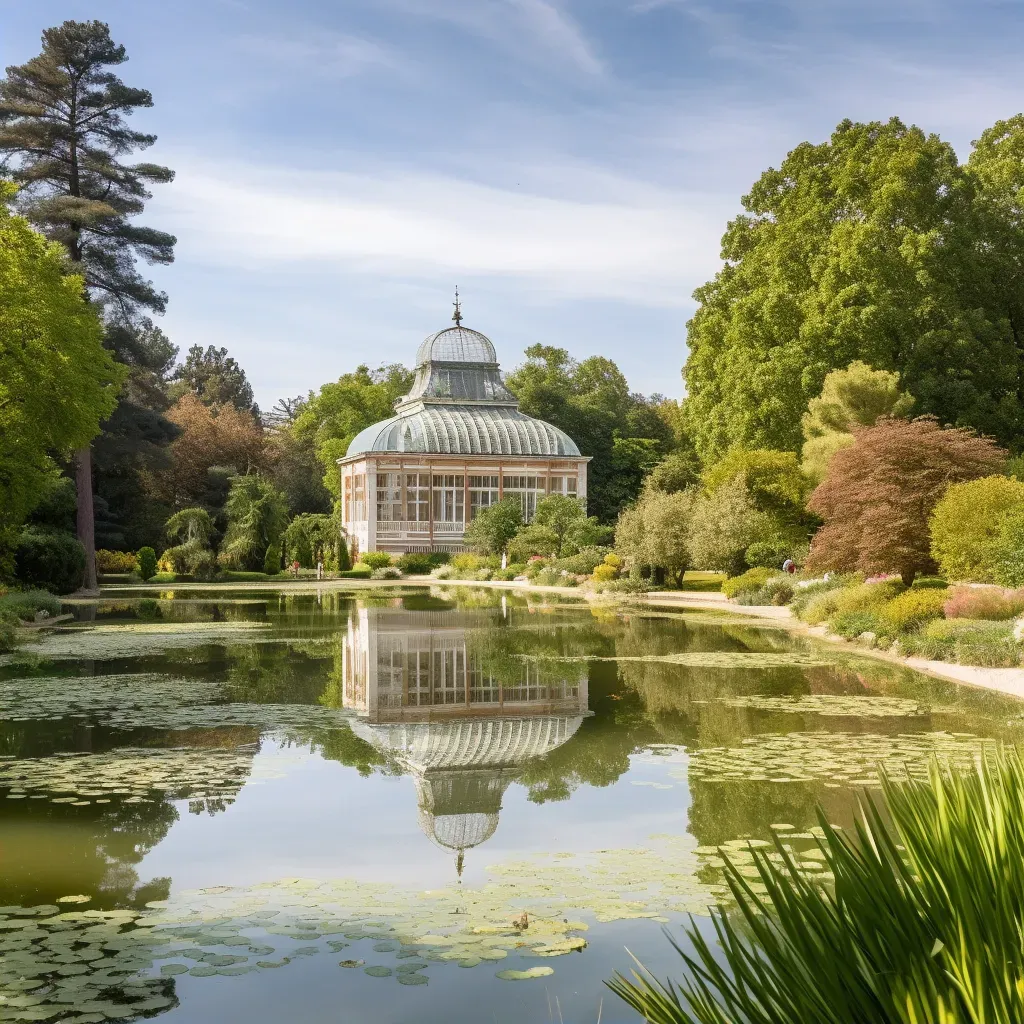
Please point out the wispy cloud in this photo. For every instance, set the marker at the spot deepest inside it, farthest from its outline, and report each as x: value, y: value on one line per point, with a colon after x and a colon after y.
x: 532, y: 31
x: 648, y: 249
x: 328, y: 54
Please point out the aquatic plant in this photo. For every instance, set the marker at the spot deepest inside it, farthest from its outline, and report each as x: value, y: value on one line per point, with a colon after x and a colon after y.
x: 924, y: 920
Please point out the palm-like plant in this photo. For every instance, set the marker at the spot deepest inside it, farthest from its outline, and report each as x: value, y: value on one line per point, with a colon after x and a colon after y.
x: 924, y: 923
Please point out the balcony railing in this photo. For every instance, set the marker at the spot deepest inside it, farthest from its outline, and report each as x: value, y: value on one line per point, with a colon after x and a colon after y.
x: 395, y: 527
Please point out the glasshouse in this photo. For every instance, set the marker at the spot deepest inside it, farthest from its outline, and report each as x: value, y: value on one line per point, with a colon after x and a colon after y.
x: 457, y: 443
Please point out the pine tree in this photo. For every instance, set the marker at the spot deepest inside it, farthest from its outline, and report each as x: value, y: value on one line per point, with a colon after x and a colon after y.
x: 63, y: 137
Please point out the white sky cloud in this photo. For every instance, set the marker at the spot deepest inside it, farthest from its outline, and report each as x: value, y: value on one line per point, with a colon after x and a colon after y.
x: 407, y: 224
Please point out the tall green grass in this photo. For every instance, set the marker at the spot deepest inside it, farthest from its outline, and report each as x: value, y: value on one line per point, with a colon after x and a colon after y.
x: 924, y: 923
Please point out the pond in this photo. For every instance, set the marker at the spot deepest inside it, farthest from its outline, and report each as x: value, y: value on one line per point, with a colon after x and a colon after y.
x: 410, y: 804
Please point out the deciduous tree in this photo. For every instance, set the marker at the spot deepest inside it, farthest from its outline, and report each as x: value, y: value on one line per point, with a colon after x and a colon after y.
x: 879, y: 493
x: 57, y: 382
x: 491, y: 530
x: 257, y: 517
x: 64, y: 135
x: 875, y: 245
x: 855, y: 397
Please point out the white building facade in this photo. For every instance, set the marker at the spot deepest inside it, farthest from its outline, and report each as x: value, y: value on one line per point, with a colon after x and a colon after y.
x: 457, y: 443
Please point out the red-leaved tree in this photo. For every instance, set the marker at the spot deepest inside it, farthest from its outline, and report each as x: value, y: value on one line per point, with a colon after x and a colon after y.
x: 878, y: 494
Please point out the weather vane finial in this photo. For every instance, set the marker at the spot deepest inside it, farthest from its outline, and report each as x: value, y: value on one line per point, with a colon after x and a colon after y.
x: 457, y: 315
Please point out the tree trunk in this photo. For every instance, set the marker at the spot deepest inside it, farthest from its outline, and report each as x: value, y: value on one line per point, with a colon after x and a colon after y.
x: 86, y: 520
x: 907, y: 576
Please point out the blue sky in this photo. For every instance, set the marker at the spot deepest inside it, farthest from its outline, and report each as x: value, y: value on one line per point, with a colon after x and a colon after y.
x: 570, y: 164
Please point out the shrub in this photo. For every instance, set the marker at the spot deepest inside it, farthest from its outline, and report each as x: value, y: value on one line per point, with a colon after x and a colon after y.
x: 751, y: 580
x: 51, y: 560
x: 819, y: 606
x: 358, y: 572
x: 966, y: 642
x: 983, y: 603
x: 965, y: 525
x: 613, y: 560
x: 605, y: 573
x: 147, y: 563
x: 852, y: 624
x: 583, y: 563
x: 416, y: 563
x: 272, y: 559
x: 149, y: 609
x: 8, y: 634
x: 778, y: 590
x: 768, y: 554
x: 550, y: 577
x: 868, y: 596
x: 115, y: 562
x: 467, y: 562
x: 387, y: 572
x: 910, y: 610
x: 376, y: 559
x: 1008, y: 550
x: 22, y: 605
x: 443, y: 572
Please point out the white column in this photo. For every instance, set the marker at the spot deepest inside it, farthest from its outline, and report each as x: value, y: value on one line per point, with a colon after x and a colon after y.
x: 371, y: 505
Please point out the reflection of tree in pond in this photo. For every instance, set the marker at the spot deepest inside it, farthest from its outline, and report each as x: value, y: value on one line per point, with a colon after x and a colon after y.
x: 344, y: 746
x: 276, y: 674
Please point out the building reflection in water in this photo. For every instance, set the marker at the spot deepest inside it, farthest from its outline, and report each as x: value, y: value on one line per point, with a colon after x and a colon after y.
x: 430, y: 693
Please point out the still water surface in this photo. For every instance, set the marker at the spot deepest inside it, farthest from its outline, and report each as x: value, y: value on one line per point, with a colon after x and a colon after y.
x: 380, y: 806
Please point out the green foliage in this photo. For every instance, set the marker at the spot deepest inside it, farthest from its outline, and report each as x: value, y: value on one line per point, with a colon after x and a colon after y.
x: 966, y: 523
x: 725, y: 524
x: 583, y: 563
x: 23, y: 604
x: 626, y: 434
x: 215, y: 378
x: 48, y: 559
x: 309, y: 536
x: 117, y: 562
x: 774, y: 483
x: 376, y: 559
x: 923, y: 922
x: 965, y: 642
x: 769, y: 554
x: 748, y: 582
x: 192, y: 556
x: 257, y: 515
x: 416, y: 563
x: 57, y: 383
x: 857, y: 396
x: 355, y: 573
x: 878, y: 494
x: 531, y: 540
x: 910, y: 610
x: 493, y: 528
x: 1008, y: 549
x: 586, y: 533
x: 147, y: 563
x: 851, y: 624
x: 676, y: 472
x: 331, y: 419
x: 813, y: 589
x: 272, y: 559
x: 656, y: 532
x: 560, y: 514
x: 604, y: 573
x: 877, y: 246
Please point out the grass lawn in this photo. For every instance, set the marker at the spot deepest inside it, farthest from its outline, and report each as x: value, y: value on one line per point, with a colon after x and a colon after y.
x: 709, y: 581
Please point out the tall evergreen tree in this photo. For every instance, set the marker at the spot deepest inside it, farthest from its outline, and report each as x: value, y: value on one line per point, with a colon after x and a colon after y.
x: 63, y: 137
x: 215, y: 378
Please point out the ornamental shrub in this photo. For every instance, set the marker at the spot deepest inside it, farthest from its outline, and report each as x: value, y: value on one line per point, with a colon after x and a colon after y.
x: 769, y: 554
x: 147, y: 563
x: 49, y: 559
x: 376, y: 559
x: 604, y: 573
x: 22, y: 605
x: 1008, y: 550
x: 910, y: 610
x: 965, y: 642
x: 852, y: 624
x: 387, y: 572
x: 983, y: 603
x: 416, y: 563
x: 272, y: 559
x: 966, y: 523
x: 582, y: 564
x: 751, y: 580
x: 118, y: 562
x: 467, y: 562
x: 868, y: 596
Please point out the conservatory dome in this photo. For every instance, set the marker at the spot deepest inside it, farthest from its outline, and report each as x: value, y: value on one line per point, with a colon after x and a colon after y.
x: 459, y: 405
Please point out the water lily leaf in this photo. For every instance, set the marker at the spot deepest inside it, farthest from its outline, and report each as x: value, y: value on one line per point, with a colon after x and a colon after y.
x: 532, y: 972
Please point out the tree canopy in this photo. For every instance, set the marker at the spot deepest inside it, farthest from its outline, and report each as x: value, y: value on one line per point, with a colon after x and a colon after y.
x: 876, y: 245
x: 331, y: 419
x: 879, y: 493
x: 57, y: 382
x: 215, y: 378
